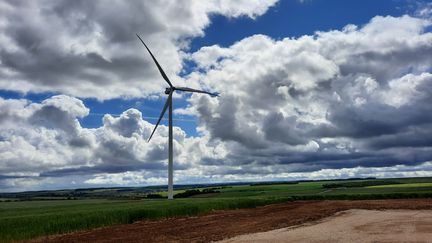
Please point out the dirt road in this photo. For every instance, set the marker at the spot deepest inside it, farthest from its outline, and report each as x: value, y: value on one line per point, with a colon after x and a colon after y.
x: 226, y: 224
x: 354, y: 225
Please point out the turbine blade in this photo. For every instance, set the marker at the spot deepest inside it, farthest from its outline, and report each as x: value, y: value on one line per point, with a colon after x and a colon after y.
x: 167, y: 103
x: 157, y: 64
x: 196, y: 91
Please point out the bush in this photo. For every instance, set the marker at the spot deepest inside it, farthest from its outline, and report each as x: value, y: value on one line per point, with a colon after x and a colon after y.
x: 152, y: 195
x: 189, y: 193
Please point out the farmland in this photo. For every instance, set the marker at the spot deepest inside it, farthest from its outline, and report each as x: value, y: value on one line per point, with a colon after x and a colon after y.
x: 32, y: 214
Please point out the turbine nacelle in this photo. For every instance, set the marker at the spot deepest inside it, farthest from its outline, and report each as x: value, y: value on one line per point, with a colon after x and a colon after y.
x: 168, y: 90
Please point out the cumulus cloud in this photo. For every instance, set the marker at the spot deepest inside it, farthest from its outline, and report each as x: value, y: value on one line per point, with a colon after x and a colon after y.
x: 46, y: 140
x: 79, y: 48
x: 336, y: 99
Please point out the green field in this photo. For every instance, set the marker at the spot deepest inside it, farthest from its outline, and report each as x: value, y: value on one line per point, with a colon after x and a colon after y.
x: 34, y: 217
x: 403, y: 185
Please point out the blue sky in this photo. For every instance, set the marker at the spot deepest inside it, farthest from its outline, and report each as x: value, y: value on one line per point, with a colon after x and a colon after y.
x: 301, y: 96
x: 295, y: 18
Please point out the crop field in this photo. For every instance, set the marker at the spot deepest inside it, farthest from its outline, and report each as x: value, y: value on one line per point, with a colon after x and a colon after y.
x: 403, y: 185
x: 33, y: 217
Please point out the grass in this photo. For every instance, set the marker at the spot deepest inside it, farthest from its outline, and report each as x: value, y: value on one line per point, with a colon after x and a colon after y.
x: 22, y: 220
x: 403, y: 185
x: 361, y: 183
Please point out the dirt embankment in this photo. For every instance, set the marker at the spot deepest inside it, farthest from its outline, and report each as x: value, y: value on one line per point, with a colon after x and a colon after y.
x: 226, y: 224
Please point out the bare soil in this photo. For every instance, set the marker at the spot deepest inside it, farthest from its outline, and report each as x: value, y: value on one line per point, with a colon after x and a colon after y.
x: 354, y: 225
x: 221, y: 225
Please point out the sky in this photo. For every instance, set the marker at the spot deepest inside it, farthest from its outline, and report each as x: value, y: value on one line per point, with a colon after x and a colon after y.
x: 309, y: 89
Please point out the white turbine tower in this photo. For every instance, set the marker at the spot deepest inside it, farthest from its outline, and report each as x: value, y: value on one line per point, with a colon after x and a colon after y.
x: 168, y: 104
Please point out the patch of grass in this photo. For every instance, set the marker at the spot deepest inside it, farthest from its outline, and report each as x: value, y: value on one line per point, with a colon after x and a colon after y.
x: 403, y: 185
x: 364, y: 196
x: 365, y: 183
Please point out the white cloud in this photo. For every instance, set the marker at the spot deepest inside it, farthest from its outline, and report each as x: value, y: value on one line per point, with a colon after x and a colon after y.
x: 354, y: 86
x: 406, y: 89
x: 81, y: 49
x: 45, y: 140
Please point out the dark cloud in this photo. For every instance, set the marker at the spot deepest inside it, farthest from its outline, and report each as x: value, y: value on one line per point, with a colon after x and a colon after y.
x: 282, y: 129
x: 5, y: 177
x: 417, y: 136
x: 384, y: 66
x: 226, y: 125
x: 100, y: 169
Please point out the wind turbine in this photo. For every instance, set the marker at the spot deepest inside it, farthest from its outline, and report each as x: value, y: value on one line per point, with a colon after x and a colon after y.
x: 168, y: 104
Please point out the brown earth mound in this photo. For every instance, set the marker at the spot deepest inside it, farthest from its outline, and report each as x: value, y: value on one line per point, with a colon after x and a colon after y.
x: 226, y: 224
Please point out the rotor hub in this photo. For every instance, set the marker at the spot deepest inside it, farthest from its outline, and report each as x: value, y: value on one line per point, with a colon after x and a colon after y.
x: 167, y: 90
